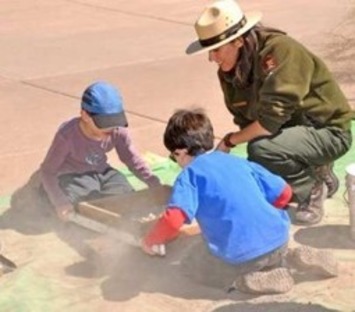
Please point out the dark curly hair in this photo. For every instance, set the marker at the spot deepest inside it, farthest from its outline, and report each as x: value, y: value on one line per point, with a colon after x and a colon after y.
x: 244, y: 70
x: 190, y: 129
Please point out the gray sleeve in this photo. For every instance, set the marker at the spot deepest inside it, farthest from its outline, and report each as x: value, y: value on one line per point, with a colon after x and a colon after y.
x: 49, y: 169
x: 128, y: 154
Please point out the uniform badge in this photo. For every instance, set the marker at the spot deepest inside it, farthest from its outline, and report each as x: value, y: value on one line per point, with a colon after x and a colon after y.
x: 269, y: 63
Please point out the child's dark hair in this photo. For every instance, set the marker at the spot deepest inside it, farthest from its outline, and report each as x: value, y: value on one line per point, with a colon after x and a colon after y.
x: 190, y: 129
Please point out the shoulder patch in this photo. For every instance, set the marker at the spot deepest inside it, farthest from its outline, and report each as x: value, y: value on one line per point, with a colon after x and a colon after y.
x: 269, y: 63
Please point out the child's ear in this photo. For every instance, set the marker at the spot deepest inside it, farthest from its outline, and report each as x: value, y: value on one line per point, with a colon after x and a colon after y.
x: 84, y: 115
x: 239, y: 42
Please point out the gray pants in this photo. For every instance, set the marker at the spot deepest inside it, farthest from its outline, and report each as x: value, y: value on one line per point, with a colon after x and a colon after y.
x: 93, y: 185
x: 202, y: 267
x: 294, y: 152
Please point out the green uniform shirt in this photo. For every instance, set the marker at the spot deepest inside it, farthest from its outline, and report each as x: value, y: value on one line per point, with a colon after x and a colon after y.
x: 291, y: 86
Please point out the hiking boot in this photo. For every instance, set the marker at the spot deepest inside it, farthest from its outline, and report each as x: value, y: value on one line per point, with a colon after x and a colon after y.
x: 311, y: 211
x: 275, y: 281
x: 316, y: 261
x: 327, y: 175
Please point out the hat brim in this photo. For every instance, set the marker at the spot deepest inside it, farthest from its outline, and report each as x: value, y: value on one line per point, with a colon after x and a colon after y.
x: 252, y: 19
x: 110, y: 121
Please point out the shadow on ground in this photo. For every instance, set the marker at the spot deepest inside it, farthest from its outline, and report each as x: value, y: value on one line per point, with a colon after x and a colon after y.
x: 272, y: 306
x: 130, y: 272
x: 134, y: 272
x: 326, y: 236
x: 121, y: 271
x: 30, y: 213
x: 124, y: 271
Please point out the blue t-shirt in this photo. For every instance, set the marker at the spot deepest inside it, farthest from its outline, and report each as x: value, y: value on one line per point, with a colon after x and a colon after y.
x: 231, y: 199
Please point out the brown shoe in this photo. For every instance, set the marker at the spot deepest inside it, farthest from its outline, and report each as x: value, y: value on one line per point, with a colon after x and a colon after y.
x: 275, y: 281
x: 311, y: 211
x: 327, y: 175
x: 316, y: 261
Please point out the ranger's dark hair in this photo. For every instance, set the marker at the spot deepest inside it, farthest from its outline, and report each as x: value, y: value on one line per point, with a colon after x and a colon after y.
x: 190, y: 129
x: 244, y: 69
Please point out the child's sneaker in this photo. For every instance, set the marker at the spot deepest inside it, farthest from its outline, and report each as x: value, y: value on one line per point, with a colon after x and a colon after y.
x: 276, y: 281
x: 320, y: 262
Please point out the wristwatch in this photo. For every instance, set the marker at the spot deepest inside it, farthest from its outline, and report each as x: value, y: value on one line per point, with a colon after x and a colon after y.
x: 227, y: 140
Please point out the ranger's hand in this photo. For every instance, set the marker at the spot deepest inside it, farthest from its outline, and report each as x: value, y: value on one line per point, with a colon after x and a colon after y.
x: 221, y: 146
x: 226, y: 144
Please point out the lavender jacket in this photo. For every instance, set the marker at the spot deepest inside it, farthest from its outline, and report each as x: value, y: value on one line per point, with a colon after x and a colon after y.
x: 72, y: 152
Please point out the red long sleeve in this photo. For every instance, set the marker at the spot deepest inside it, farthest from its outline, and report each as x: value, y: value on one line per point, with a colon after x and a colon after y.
x: 284, y: 198
x: 167, y: 227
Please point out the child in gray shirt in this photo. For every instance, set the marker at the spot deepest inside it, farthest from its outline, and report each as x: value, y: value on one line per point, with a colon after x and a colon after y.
x: 76, y: 166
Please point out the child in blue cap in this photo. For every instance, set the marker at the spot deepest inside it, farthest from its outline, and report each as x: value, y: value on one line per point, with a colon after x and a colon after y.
x: 240, y: 208
x: 76, y: 167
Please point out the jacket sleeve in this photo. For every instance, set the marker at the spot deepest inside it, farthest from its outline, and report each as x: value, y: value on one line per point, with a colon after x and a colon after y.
x: 284, y: 198
x: 128, y: 154
x: 167, y: 227
x: 49, y: 169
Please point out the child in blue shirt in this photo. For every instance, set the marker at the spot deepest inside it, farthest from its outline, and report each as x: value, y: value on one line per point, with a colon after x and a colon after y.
x: 238, y: 204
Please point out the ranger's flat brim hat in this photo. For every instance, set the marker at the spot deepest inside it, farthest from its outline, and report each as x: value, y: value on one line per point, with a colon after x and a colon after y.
x: 220, y: 23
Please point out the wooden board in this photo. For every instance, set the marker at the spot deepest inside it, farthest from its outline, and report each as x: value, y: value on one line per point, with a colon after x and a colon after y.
x: 131, y: 212
x: 140, y: 206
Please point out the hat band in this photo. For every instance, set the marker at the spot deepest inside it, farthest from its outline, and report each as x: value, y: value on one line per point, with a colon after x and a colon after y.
x: 227, y: 33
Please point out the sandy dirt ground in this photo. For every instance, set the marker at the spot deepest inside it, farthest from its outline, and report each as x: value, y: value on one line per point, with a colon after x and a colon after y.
x: 49, y: 52
x: 65, y: 267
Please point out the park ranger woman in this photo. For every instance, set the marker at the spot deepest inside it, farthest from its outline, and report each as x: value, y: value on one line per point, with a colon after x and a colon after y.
x: 285, y: 102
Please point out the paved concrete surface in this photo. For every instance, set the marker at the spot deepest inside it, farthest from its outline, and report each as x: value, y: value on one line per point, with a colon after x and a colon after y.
x: 51, y: 50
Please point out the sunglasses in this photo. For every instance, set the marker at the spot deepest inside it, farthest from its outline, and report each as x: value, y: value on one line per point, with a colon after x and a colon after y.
x: 173, y: 156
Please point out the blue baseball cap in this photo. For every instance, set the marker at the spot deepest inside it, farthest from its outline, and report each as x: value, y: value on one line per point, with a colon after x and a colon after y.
x: 105, y: 105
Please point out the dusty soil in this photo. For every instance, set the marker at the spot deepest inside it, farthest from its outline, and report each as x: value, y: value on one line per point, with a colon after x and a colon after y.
x: 64, y: 267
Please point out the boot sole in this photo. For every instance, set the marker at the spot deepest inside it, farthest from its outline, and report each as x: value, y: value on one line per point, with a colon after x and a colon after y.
x: 276, y: 281
x: 319, y: 262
